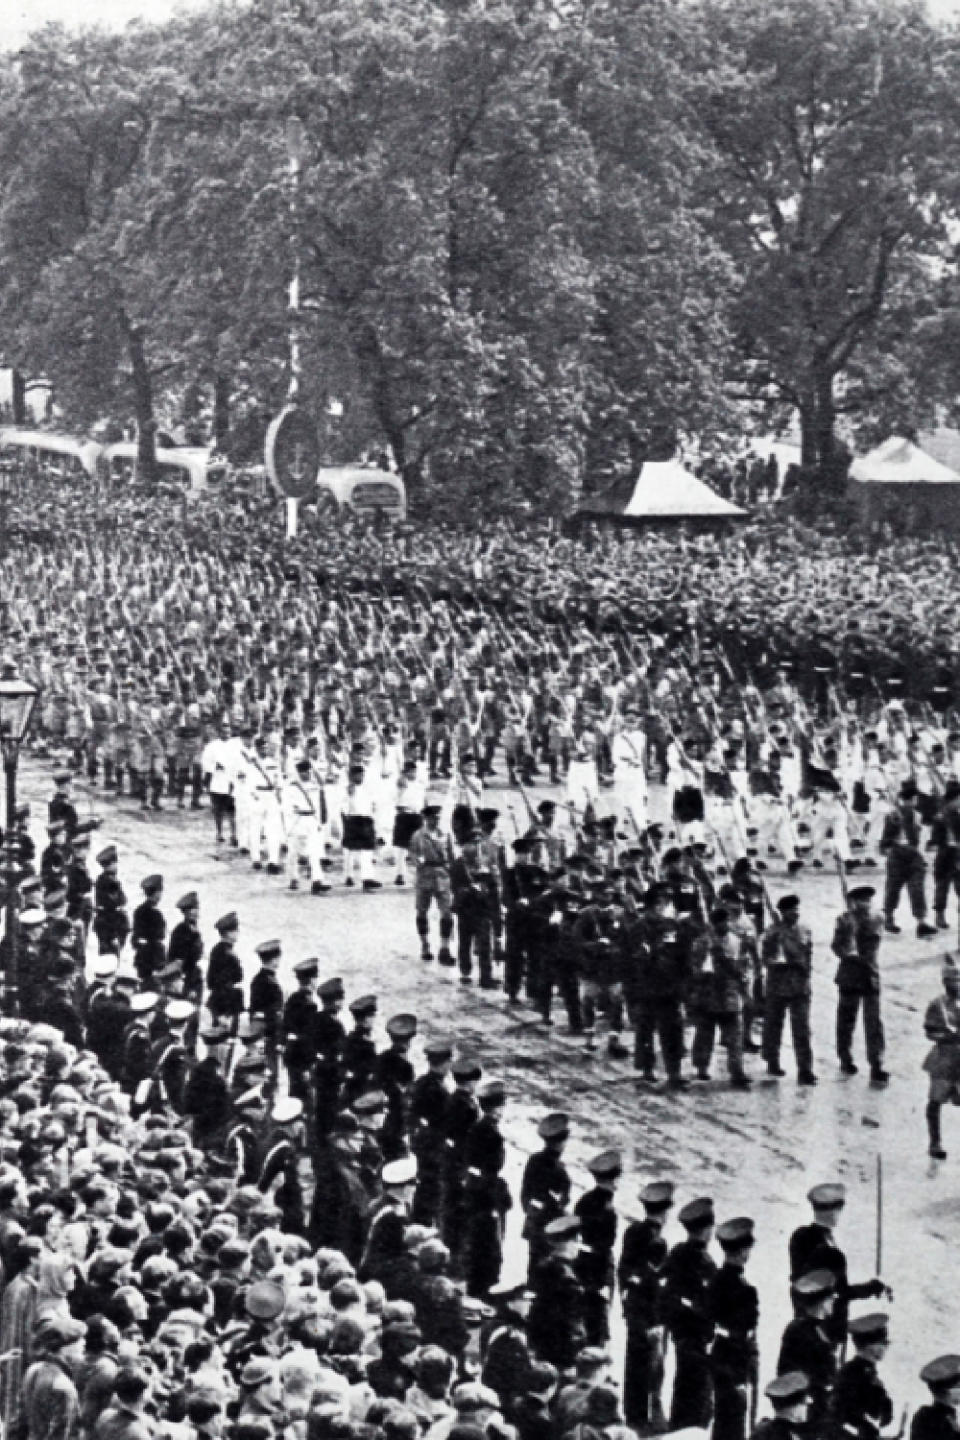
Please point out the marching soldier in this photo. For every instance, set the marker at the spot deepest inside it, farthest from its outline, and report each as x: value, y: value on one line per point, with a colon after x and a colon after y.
x: 787, y: 954
x: 61, y: 807
x: 432, y: 856
x: 640, y: 1279
x: 722, y: 981
x: 856, y: 943
x: 941, y: 1024
x: 476, y: 904
x: 901, y: 842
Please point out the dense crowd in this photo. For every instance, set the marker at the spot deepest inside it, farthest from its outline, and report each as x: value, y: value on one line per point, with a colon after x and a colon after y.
x: 256, y: 1215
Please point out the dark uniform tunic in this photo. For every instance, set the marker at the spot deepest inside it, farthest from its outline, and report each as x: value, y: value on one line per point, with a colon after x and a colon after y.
x: 149, y: 935
x: 640, y: 1278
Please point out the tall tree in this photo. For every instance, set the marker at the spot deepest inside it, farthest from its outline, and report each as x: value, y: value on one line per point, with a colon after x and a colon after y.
x: 833, y: 123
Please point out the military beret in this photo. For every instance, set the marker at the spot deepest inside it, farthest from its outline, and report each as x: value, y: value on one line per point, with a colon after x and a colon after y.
x: 733, y: 1234
x: 606, y: 1166
x: 696, y: 1213
x: 230, y: 921
x: 827, y: 1197
x: 868, y: 1328
x: 258, y: 1370
x: 943, y: 1371
x: 555, y: 1126
x: 332, y: 989
x: 787, y: 1389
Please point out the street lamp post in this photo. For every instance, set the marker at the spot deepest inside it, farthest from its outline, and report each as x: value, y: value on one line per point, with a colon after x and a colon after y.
x: 17, y: 699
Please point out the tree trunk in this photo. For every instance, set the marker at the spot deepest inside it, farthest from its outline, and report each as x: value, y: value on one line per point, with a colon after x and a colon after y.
x: 19, y: 397
x: 221, y: 410
x: 143, y: 405
x: 818, y: 423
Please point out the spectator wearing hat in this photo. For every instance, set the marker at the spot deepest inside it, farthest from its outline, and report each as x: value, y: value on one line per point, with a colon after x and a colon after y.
x: 861, y: 1405
x: 856, y: 943
x: 505, y: 1351
x: 429, y: 1395
x: 815, y: 1247
x: 598, y: 1239
x: 807, y: 1345
x: 18, y: 1314
x: 225, y: 973
x: 789, y: 1397
x: 545, y: 1187
x: 50, y: 1403
x: 127, y: 1417
x: 688, y: 1277
x: 532, y: 1415
x: 592, y: 1369
x: 734, y: 1306
x: 441, y: 1313
x: 429, y: 1106
x: 260, y: 1392
x: 787, y: 955
x: 938, y: 1420
x: 601, y: 1417
x: 149, y: 932
x: 639, y: 1275
x: 486, y: 1195
x: 556, y: 1323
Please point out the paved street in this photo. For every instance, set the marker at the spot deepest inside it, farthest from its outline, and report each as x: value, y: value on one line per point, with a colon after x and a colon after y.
x: 756, y: 1153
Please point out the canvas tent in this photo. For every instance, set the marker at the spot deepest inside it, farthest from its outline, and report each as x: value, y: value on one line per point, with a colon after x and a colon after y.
x: 901, y: 483
x: 664, y: 492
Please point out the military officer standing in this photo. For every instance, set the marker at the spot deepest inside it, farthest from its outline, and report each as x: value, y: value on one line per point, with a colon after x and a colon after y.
x: 225, y: 974
x: 111, y: 923
x: 486, y: 1196
x: 149, y: 930
x: 861, y: 1405
x: 429, y: 1104
x: 545, y: 1188
x: 640, y: 1278
x: 735, y: 1309
x: 941, y: 1024
x: 432, y: 857
x: 789, y: 1397
x: 688, y: 1277
x: 186, y: 946
x: 813, y: 1247
x: 598, y: 1238
x: 808, y: 1345
x: 938, y: 1420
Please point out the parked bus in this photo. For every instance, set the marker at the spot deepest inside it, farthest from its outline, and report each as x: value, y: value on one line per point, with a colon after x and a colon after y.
x: 63, y: 456
x: 363, y: 489
x: 187, y: 467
